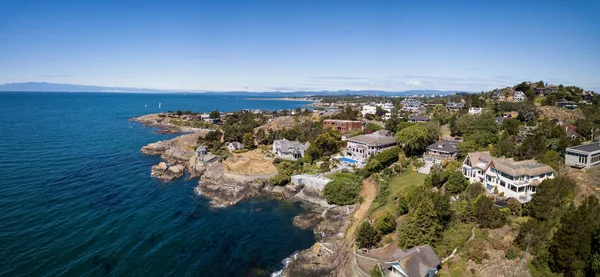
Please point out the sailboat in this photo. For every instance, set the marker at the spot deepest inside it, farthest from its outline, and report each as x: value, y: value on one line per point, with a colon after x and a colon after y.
x: 159, y: 105
x: 145, y: 105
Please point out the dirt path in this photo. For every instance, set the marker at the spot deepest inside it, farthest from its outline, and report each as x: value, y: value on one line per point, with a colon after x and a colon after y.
x: 368, y: 192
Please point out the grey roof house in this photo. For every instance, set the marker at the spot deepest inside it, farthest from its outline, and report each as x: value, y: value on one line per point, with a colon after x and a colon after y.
x: 234, y: 146
x: 443, y: 149
x: 291, y: 150
x: 419, y: 261
x: 585, y: 155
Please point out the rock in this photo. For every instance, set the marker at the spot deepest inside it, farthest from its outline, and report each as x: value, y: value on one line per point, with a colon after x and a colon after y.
x: 159, y: 169
x: 307, y: 220
x: 224, y: 191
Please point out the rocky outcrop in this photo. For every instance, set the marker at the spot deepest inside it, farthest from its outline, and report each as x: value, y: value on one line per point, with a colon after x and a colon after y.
x: 167, y: 173
x: 330, y: 256
x: 225, y: 191
x: 179, y: 154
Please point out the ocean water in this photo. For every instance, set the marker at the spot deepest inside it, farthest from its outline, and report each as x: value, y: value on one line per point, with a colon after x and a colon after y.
x: 77, y: 199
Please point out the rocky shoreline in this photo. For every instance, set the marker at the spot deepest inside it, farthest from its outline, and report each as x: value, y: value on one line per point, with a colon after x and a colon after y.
x: 328, y: 257
x: 164, y: 124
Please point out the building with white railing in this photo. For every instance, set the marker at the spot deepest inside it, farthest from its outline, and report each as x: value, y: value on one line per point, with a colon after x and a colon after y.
x: 513, y: 179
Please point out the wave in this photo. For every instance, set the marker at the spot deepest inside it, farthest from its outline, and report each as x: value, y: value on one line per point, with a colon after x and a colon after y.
x: 285, y: 263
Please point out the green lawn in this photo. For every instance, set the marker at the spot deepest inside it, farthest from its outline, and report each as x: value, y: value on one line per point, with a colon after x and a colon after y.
x: 397, y: 186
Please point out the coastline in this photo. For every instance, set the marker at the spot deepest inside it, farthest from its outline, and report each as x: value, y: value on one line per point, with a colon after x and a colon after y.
x: 283, y: 99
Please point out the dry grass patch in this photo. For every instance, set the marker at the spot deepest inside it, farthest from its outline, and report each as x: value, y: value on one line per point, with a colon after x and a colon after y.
x: 251, y: 162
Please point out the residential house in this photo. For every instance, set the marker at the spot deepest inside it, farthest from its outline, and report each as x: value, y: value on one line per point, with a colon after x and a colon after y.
x: 519, y: 96
x: 232, y: 146
x: 419, y: 261
x: 361, y: 147
x: 388, y: 107
x: 564, y: 104
x: 475, y: 110
x: 343, y: 125
x: 499, y: 96
x: 412, y: 105
x: 291, y: 150
x: 585, y: 155
x: 513, y: 179
x: 571, y: 130
x: 204, y: 156
x: 455, y: 106
x: 441, y: 150
x: 545, y: 91
x: 368, y: 109
x: 418, y: 118
x: 512, y: 114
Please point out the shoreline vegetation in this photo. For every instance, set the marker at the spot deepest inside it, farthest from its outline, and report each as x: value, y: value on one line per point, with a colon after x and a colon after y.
x: 390, y: 201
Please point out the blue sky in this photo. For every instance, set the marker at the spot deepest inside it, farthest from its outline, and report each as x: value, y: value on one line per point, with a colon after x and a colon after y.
x: 271, y: 45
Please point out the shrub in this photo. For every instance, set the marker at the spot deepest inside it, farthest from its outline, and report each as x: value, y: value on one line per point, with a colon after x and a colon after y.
x: 367, y: 236
x: 386, y: 223
x: 514, y: 206
x: 343, y: 190
x: 375, y: 271
x: 476, y: 251
x: 402, y: 205
x: 510, y: 253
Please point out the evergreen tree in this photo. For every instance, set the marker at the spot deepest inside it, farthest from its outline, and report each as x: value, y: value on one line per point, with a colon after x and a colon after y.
x: 367, y: 236
x: 457, y: 183
x: 421, y: 227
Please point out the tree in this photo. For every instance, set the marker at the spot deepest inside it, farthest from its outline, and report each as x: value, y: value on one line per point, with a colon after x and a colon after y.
x: 552, y: 158
x: 385, y: 223
x: 527, y: 112
x: 343, y: 190
x: 402, y: 204
x: 284, y: 173
x: 551, y: 198
x: 515, y: 206
x: 379, y: 111
x: 457, y: 183
x: 420, y: 227
x: 466, y: 147
x: 486, y: 215
x: 473, y: 191
x: 413, y: 139
x: 214, y: 114
x: 504, y: 148
x: 383, y: 159
x: 248, y: 140
x: 436, y: 178
x: 570, y: 249
x: 367, y: 236
x: 511, y: 126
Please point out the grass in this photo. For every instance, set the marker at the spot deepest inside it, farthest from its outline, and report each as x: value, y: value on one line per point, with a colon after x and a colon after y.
x: 338, y: 175
x: 445, y: 130
x: 455, y: 236
x: 397, y: 186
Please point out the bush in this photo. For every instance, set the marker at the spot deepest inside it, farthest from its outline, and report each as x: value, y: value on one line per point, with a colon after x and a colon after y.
x: 383, y: 159
x: 375, y: 271
x: 514, y: 206
x: 343, y: 190
x: 386, y: 223
x: 510, y: 253
x: 476, y: 251
x: 367, y: 236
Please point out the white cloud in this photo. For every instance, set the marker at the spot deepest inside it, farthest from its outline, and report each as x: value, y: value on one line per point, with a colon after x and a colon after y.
x: 413, y: 83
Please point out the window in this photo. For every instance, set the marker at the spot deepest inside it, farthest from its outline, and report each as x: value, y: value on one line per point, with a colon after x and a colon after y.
x: 502, y: 183
x: 513, y: 188
x: 521, y: 189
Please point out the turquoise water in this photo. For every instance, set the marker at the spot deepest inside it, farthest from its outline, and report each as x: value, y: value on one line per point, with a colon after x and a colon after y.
x: 77, y: 199
x: 348, y: 160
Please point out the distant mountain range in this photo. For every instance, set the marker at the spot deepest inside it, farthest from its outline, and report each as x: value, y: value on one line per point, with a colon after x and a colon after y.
x: 54, y: 87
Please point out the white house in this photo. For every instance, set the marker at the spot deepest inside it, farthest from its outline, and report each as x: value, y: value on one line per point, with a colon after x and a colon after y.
x: 232, y: 146
x: 291, y: 150
x: 519, y: 96
x: 369, y: 109
x: 474, y: 110
x: 514, y: 179
x: 585, y: 155
x: 361, y: 147
x: 388, y: 107
x: 412, y: 105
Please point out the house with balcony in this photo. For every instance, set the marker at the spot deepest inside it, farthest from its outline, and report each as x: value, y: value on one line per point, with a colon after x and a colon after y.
x: 442, y: 150
x: 519, y: 96
x: 583, y: 156
x: 360, y: 148
x: 455, y: 106
x: 412, y: 105
x: 475, y: 110
x: 418, y: 119
x: 513, y: 179
x: 290, y: 150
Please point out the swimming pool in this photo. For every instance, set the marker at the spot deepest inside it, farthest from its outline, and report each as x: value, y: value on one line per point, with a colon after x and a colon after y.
x: 348, y: 160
